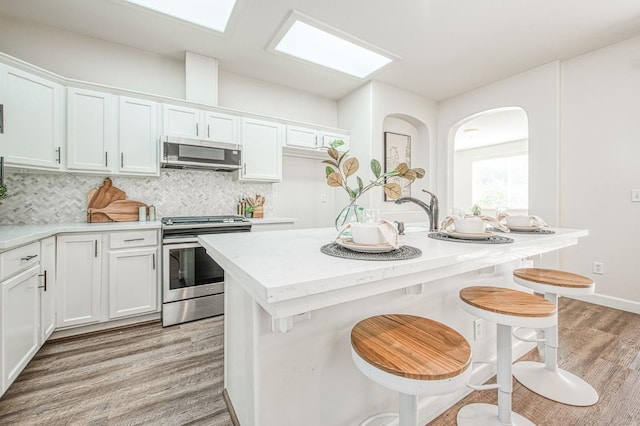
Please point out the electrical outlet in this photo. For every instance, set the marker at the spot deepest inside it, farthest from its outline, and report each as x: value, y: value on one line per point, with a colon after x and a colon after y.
x: 635, y: 195
x: 477, y: 329
x: 598, y: 268
x: 323, y: 198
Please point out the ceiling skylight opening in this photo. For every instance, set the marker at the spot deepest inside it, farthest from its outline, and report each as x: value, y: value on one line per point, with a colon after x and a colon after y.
x: 303, y: 38
x: 212, y: 14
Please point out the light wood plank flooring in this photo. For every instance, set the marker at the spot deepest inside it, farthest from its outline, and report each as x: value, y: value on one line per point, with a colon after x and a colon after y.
x: 173, y: 376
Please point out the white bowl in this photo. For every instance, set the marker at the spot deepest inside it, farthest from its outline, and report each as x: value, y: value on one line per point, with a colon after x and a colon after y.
x: 469, y: 225
x: 366, y: 233
x: 520, y: 221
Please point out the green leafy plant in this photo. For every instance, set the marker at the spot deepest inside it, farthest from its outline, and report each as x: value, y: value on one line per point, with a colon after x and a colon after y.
x: 3, y: 192
x: 476, y: 210
x: 340, y: 168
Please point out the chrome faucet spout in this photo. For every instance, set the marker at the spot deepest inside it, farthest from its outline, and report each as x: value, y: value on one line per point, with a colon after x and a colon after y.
x: 434, y: 204
x: 429, y: 209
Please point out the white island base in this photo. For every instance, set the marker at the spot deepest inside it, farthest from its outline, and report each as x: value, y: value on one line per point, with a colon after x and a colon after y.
x: 289, y: 310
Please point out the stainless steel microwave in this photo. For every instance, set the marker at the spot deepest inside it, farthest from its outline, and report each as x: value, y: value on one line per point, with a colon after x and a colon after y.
x: 182, y: 153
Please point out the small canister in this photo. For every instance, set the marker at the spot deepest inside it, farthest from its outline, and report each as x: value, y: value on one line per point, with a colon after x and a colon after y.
x: 142, y: 214
x: 152, y: 213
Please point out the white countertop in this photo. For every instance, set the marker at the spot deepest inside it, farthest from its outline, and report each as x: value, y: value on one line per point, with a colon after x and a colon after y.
x: 281, y: 269
x: 270, y: 220
x: 14, y: 236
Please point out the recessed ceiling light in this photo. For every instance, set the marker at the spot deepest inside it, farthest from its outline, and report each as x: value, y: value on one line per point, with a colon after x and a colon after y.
x: 313, y: 41
x: 212, y: 14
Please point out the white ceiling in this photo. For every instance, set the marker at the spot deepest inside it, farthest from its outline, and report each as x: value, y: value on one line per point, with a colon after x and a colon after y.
x: 493, y: 127
x: 448, y: 46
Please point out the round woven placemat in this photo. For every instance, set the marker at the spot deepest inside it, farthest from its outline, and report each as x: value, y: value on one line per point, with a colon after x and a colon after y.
x: 534, y: 231
x: 494, y: 239
x: 403, y: 253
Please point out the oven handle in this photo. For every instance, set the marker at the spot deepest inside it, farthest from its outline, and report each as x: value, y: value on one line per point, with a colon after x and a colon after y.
x: 182, y: 245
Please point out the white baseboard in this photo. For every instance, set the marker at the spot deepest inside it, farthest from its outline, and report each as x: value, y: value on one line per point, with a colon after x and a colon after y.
x: 611, y: 302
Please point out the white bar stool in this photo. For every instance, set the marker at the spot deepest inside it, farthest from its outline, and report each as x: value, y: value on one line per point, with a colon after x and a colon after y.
x: 411, y: 355
x: 546, y: 378
x: 507, y: 308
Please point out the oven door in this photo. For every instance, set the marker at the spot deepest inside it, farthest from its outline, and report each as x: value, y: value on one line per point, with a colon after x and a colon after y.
x: 189, y: 272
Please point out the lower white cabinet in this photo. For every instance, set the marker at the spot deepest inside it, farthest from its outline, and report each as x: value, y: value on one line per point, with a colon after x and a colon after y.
x: 133, y: 283
x: 19, y: 323
x: 79, y: 268
x: 47, y: 288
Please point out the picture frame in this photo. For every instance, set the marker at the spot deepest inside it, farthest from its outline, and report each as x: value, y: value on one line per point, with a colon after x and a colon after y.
x: 397, y: 149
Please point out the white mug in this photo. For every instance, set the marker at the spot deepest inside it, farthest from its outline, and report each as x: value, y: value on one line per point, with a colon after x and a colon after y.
x: 469, y: 225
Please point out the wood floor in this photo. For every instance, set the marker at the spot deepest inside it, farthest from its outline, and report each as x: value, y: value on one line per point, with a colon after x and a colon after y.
x: 173, y: 376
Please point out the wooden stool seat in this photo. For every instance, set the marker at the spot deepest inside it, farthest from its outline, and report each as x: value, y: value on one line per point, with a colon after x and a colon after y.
x: 411, y: 347
x: 507, y: 302
x: 413, y: 356
x: 553, y: 277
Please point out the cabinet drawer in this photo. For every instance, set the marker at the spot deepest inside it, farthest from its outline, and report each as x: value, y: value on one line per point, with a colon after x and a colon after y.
x: 133, y: 239
x: 19, y: 259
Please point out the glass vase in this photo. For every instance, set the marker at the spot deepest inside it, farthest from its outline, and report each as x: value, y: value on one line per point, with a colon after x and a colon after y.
x: 351, y: 213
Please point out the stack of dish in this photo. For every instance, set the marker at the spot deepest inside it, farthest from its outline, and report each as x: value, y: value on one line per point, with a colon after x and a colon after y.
x: 379, y: 237
x: 524, y: 223
x: 468, y: 228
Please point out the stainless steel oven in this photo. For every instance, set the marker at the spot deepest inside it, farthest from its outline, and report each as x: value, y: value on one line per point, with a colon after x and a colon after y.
x: 192, y: 282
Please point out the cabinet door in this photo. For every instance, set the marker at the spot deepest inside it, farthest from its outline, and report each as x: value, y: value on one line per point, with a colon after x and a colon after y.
x: 32, y: 119
x: 20, y: 323
x: 138, y: 136
x: 90, y: 130
x: 181, y: 122
x: 47, y: 288
x: 302, y: 136
x: 79, y: 268
x: 133, y: 282
x: 328, y: 138
x: 261, y: 150
x: 221, y: 127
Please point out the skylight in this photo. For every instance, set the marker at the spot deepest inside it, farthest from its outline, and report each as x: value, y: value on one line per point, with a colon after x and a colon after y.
x: 212, y: 14
x: 310, y: 43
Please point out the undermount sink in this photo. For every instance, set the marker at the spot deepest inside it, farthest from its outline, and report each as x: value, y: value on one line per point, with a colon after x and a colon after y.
x: 410, y: 229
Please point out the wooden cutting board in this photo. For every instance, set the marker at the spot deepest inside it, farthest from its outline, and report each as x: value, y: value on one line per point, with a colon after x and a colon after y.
x: 117, y: 211
x: 105, y: 195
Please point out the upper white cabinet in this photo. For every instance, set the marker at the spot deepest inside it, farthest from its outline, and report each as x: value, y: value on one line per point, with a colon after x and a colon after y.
x: 262, y: 143
x: 184, y: 122
x: 109, y: 133
x: 32, y: 119
x: 306, y: 137
x: 90, y: 130
x: 138, y: 136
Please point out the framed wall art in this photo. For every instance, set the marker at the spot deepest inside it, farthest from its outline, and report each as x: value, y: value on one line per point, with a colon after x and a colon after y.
x: 397, y: 149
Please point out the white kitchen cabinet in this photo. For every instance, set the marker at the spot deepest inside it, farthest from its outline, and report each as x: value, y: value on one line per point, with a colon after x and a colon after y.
x: 262, y: 143
x: 90, y: 130
x: 302, y: 136
x: 79, y: 271
x: 181, y: 122
x: 133, y: 281
x: 327, y: 138
x: 32, y: 119
x: 19, y: 323
x: 184, y: 122
x: 47, y: 288
x: 138, y: 136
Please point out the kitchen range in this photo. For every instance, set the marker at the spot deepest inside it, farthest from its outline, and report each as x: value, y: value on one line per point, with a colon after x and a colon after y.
x: 192, y: 282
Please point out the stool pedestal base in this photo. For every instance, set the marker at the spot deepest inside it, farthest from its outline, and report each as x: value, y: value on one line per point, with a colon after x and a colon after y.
x: 487, y: 415
x: 559, y: 385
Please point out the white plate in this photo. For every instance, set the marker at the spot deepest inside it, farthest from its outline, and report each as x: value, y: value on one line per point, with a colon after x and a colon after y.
x: 469, y: 236
x: 364, y: 248
x: 530, y: 228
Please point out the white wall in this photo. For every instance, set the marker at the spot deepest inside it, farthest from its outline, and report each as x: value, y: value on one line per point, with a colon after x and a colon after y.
x: 600, y: 156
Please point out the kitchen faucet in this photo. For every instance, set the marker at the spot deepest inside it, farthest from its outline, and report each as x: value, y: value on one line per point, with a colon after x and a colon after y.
x: 431, y: 209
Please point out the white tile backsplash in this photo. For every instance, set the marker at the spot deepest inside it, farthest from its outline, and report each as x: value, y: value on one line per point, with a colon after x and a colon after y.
x: 43, y: 198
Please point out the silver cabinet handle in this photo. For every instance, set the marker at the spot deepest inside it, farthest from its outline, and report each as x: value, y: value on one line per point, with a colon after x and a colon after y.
x: 45, y: 281
x: 154, y: 261
x: 106, y: 159
x: 28, y: 258
x: 244, y: 169
x: 58, y: 154
x: 121, y: 159
x: 95, y: 248
x: 133, y: 239
x: 197, y: 134
x: 208, y: 132
x: 1, y: 118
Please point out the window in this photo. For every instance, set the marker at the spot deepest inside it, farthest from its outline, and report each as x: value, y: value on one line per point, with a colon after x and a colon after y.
x: 501, y: 182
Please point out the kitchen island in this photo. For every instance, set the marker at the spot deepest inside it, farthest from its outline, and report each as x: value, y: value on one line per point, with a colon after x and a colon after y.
x: 289, y: 310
